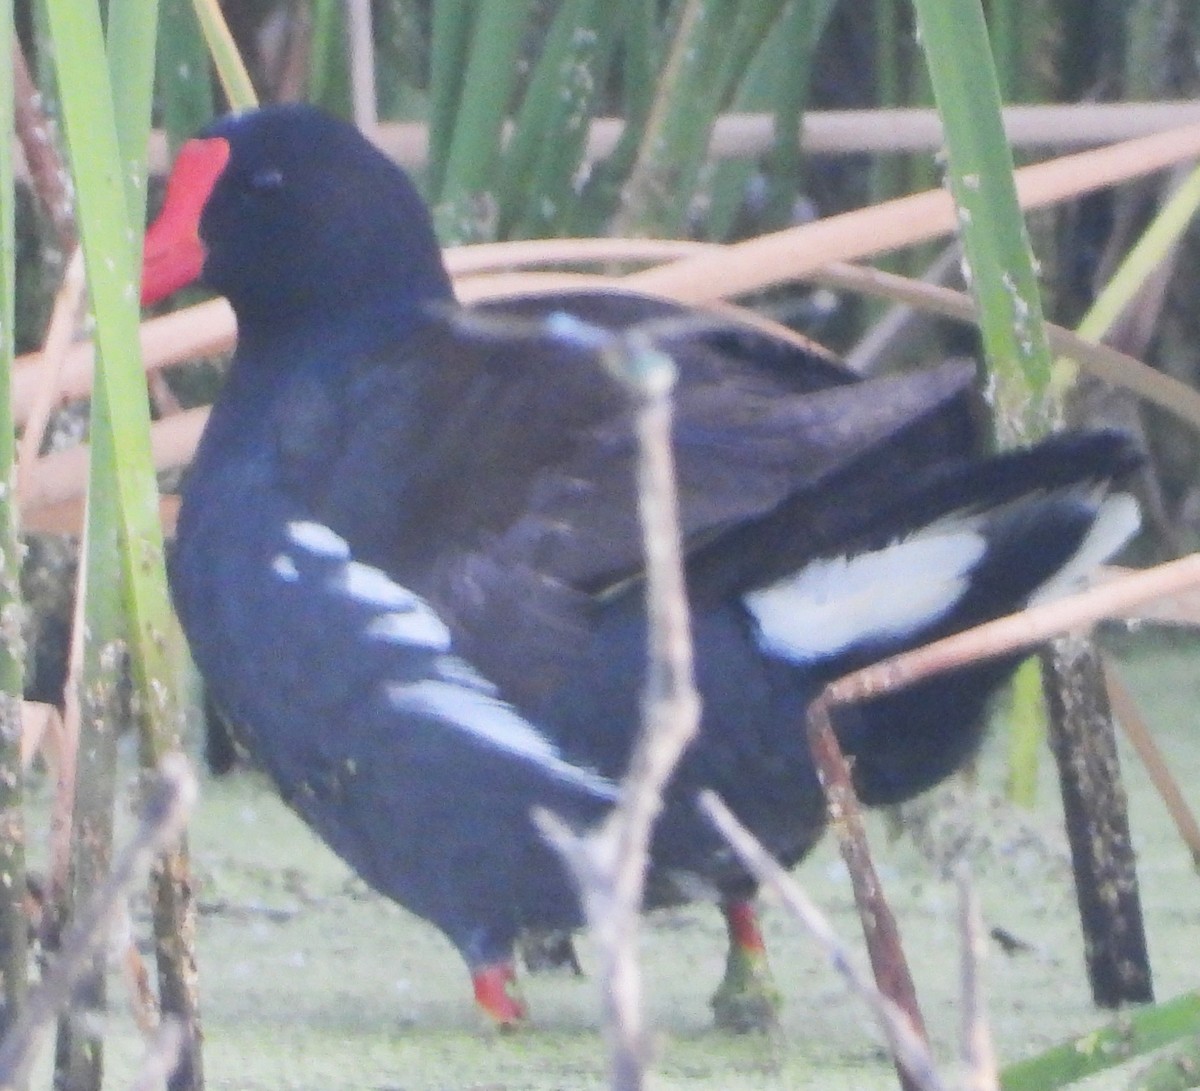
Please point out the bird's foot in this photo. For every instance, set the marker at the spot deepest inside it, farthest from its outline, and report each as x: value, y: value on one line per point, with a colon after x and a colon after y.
x: 546, y: 952
x: 747, y: 998
x: 497, y: 995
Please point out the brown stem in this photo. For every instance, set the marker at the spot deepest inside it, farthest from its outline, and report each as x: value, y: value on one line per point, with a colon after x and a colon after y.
x: 48, y: 174
x: 882, y: 935
x: 1084, y: 743
x: 1142, y: 741
x: 909, y: 1048
x: 1017, y: 631
x: 979, y: 1053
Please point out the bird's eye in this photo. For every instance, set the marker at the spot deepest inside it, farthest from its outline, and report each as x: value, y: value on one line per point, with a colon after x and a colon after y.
x: 265, y: 180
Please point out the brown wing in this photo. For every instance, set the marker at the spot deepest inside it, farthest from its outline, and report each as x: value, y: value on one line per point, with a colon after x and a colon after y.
x: 496, y: 461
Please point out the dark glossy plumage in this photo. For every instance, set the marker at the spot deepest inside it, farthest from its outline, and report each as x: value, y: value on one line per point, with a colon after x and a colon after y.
x: 407, y: 555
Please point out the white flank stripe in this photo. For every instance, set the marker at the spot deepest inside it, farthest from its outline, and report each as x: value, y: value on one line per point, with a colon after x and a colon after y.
x: 319, y: 539
x: 285, y: 568
x: 1118, y: 520
x: 832, y: 605
x: 420, y: 625
x: 458, y: 672
x: 577, y: 331
x: 373, y: 586
x: 495, y: 724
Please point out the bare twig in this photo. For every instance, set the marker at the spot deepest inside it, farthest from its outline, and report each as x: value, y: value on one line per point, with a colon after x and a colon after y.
x: 609, y: 864
x: 1102, y: 361
x: 362, y: 65
x: 878, y: 923
x: 895, y: 329
x: 68, y: 306
x: 979, y: 1053
x: 164, y: 814
x: 1140, y: 737
x: 827, y: 132
x: 908, y: 1047
x: 1017, y: 631
x: 996, y: 638
x: 162, y: 1056
x: 48, y: 174
x: 904, y: 221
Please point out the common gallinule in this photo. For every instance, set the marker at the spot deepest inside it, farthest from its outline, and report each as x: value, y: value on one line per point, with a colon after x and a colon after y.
x: 407, y: 555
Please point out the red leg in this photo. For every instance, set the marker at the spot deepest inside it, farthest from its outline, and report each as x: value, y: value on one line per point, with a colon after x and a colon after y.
x: 496, y: 994
x: 746, y: 998
x: 741, y: 919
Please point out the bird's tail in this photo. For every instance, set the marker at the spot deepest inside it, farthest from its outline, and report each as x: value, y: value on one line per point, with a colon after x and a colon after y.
x: 964, y: 543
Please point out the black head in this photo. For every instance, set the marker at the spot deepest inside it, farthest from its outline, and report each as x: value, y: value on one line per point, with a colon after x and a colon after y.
x: 293, y: 214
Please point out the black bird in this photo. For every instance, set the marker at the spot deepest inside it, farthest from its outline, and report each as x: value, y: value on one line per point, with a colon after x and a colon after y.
x: 407, y: 558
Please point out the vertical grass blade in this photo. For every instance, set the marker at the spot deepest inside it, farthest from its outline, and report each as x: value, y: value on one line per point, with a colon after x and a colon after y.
x: 1026, y: 735
x: 995, y: 242
x: 13, y: 926
x: 998, y: 262
x: 231, y: 70
x: 1152, y: 248
x: 184, y: 72
x: 777, y: 80
x: 450, y: 44
x: 638, y: 42
x: 465, y: 209
x: 1008, y: 22
x: 799, y: 32
x: 749, y: 31
x: 79, y: 1055
x: 541, y: 159
x: 641, y: 60
x: 328, y: 71
x: 123, y: 490
x: 132, y: 28
x: 691, y: 87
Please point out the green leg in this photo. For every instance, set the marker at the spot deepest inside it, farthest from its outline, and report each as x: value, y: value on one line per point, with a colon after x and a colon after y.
x: 747, y: 999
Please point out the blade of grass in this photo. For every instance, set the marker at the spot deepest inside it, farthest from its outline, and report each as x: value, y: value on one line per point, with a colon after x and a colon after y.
x: 1164, y: 232
x: 778, y: 80
x: 13, y: 926
x: 79, y: 1052
x: 231, y: 70
x: 1026, y: 735
x: 656, y: 199
x: 1133, y: 1034
x: 184, y: 72
x: 1026, y: 405
x: 449, y: 48
x: 465, y: 208
x: 132, y: 28
x: 1006, y: 20
x: 641, y: 53
x: 79, y: 1056
x: 798, y: 32
x: 995, y: 242
x: 402, y: 35
x: 551, y: 129
x: 126, y: 538
x: 638, y: 44
x: 887, y: 171
x: 328, y: 70
x: 751, y: 26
